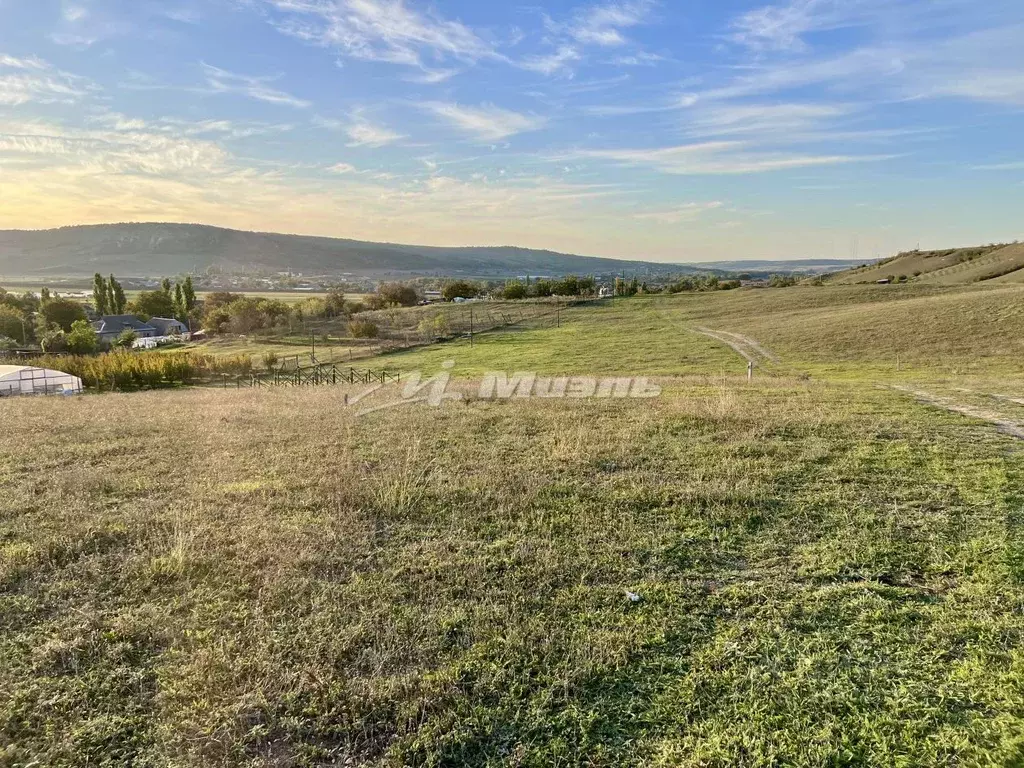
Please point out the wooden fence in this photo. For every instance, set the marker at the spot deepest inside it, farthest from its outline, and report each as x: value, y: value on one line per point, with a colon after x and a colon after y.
x: 323, y: 374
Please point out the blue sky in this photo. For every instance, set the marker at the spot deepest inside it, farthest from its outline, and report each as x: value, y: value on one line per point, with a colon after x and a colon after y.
x: 710, y: 129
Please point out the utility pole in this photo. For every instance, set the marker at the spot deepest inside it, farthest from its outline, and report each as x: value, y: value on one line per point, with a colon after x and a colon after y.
x: 471, y: 326
x: 312, y: 340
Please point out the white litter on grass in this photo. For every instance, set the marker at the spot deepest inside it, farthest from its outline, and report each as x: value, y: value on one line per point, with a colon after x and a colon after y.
x: 633, y: 597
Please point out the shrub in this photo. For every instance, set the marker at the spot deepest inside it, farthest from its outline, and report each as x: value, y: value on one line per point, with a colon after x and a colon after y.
x: 83, y: 339
x: 127, y: 371
x: 53, y: 341
x: 543, y: 288
x: 514, y: 290
x: 436, y: 327
x: 363, y: 329
x: 390, y: 294
x: 126, y: 339
x: 270, y: 360
x: 12, y: 323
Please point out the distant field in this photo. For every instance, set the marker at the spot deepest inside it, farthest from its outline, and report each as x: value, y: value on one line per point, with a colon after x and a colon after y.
x: 821, y: 567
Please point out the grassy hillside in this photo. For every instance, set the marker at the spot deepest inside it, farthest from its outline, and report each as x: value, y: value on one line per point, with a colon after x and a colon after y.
x: 821, y: 567
x: 840, y: 331
x: 1002, y: 262
x: 955, y: 266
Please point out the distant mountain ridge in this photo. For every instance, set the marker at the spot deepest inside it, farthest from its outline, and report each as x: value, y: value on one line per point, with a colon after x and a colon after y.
x: 140, y: 250
x: 156, y: 249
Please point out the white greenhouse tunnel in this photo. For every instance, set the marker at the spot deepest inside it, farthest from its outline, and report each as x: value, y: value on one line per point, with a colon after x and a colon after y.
x: 26, y: 380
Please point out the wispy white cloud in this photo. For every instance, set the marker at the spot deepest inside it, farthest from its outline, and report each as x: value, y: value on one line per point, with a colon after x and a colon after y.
x: 638, y: 59
x: 380, y: 30
x: 678, y: 213
x: 486, y: 122
x: 551, y: 63
x: 73, y: 13
x: 34, y: 80
x: 341, y: 169
x: 718, y: 158
x: 428, y: 76
x: 364, y: 133
x: 12, y: 62
x: 602, y: 25
x: 259, y: 88
x: 125, y: 151
x: 787, y: 26
x: 605, y: 24
x: 1014, y: 166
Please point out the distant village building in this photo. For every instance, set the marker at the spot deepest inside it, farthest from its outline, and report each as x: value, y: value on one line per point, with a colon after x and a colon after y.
x: 168, y: 326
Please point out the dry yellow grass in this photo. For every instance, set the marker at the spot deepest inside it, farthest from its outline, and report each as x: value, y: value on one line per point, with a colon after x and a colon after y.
x: 827, y: 575
x: 954, y: 266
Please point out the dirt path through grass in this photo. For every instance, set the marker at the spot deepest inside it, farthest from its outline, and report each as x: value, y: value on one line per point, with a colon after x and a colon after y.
x: 748, y: 348
x: 1002, y: 423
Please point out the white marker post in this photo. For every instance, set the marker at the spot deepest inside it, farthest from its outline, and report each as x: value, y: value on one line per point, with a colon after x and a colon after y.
x: 750, y: 371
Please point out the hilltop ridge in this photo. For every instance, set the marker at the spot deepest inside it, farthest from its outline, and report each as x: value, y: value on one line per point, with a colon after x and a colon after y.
x: 166, y: 248
x: 1001, y: 263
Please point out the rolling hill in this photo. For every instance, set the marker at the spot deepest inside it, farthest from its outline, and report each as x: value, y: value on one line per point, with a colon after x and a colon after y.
x: 954, y: 266
x: 160, y: 249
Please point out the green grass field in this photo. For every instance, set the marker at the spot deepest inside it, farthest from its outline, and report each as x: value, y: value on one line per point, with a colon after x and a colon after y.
x: 826, y: 561
x: 847, y: 332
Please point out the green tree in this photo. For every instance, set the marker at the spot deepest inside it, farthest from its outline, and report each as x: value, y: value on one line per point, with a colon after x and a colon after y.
x: 165, y: 285
x: 152, y: 304
x: 514, y: 290
x: 53, y: 340
x: 335, y: 304
x: 117, y: 302
x: 62, y: 313
x: 44, y: 296
x: 460, y: 289
x: 542, y: 288
x: 13, y: 324
x: 126, y: 339
x: 189, y: 293
x: 99, y: 294
x: 397, y: 293
x: 82, y: 340
x: 363, y: 329
x: 180, y: 310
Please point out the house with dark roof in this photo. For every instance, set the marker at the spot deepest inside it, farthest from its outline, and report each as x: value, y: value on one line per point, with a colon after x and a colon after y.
x: 109, y: 327
x: 168, y: 326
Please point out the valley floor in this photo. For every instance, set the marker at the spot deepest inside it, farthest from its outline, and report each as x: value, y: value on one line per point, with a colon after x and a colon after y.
x: 820, y: 567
